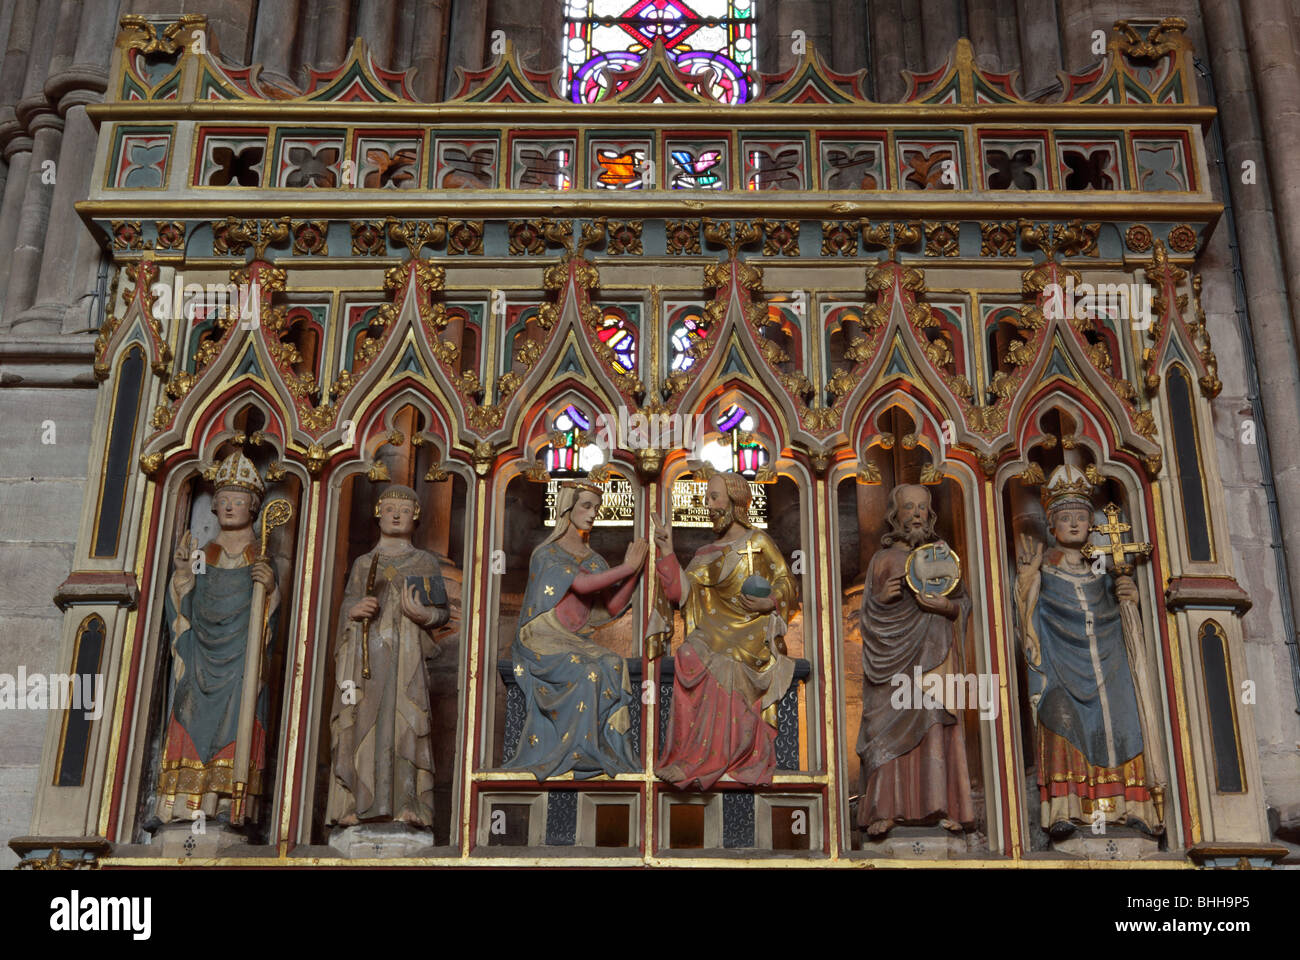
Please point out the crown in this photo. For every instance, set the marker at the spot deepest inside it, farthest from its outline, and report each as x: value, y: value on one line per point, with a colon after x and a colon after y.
x: 238, y: 471
x: 398, y: 492
x: 589, y: 485
x: 1067, y: 484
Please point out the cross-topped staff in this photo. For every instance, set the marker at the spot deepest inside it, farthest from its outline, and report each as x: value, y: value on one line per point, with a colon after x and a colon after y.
x: 1118, y: 549
x: 1144, y: 677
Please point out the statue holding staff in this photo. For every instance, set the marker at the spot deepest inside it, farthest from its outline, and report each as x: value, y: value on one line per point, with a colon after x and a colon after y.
x: 210, y: 617
x: 382, y: 754
x: 1083, y: 651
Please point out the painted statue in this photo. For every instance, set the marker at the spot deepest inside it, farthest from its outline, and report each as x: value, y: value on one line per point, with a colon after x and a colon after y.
x: 382, y: 752
x: 1077, y: 644
x: 913, y: 748
x: 208, y: 609
x: 730, y: 672
x: 578, y: 699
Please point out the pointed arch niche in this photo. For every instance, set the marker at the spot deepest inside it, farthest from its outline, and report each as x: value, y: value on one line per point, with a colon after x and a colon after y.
x: 401, y: 440
x: 1059, y: 428
x: 247, y: 423
x: 900, y: 442
x: 782, y: 506
x: 554, y: 446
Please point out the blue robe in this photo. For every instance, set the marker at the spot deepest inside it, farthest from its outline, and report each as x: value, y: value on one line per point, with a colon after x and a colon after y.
x: 207, y: 695
x: 1084, y: 682
x: 577, y: 696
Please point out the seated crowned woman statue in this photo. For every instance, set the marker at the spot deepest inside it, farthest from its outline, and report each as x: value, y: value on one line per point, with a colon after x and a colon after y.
x: 577, y: 696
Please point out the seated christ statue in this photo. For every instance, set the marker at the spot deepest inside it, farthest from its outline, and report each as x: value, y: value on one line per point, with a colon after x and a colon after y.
x: 737, y: 596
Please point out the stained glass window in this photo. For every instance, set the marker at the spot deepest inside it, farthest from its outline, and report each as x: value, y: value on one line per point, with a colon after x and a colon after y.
x: 687, y: 329
x: 606, y: 40
x: 569, y: 453
x: 618, y: 334
x: 737, y: 450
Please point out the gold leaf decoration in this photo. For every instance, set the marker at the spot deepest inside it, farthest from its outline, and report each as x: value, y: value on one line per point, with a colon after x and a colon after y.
x: 1032, y: 474
x: 998, y: 239
x: 1018, y: 354
x: 930, y: 474
x: 941, y: 239
x: 939, y: 352
x: 842, y: 383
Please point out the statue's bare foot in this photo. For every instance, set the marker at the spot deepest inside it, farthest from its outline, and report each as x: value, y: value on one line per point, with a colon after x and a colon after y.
x: 348, y: 820
x: 879, y: 828
x: 952, y: 826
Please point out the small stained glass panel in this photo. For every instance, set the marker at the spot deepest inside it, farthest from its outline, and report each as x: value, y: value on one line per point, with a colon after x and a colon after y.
x: 605, y: 41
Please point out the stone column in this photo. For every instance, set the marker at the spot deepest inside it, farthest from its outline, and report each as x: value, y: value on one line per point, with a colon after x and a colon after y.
x: 535, y: 35
x: 274, y: 40
x: 940, y: 25
x: 776, y: 25
x: 71, y: 256
x: 333, y: 32
x: 888, y: 50
x: 304, y: 41
x: 1008, y: 35
x: 1040, y: 44
x: 1276, y: 71
x: 39, y: 119
x: 982, y: 15
x: 467, y: 46
x: 15, y: 141
x: 429, y: 49
x: 1079, y: 18
x: 376, y: 22
x: 408, y: 11
x: 1264, y: 131
x: 6, y: 19
x: 848, y: 47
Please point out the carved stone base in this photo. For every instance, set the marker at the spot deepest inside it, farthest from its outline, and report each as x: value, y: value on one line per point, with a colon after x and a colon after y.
x: 366, y: 841
x: 1221, y: 855
x: 917, y: 843
x: 1112, y: 845
x: 179, y: 840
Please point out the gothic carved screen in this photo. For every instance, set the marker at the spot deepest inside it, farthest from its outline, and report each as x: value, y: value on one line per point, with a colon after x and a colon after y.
x: 692, y: 464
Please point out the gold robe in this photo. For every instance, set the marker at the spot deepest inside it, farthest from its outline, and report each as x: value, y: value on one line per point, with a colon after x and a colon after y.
x: 729, y: 653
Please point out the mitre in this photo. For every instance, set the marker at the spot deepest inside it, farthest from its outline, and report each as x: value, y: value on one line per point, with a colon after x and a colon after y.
x: 1067, y: 484
x: 238, y: 471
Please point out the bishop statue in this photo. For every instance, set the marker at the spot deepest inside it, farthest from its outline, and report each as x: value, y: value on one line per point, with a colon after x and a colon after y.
x: 209, y: 608
x: 1084, y: 654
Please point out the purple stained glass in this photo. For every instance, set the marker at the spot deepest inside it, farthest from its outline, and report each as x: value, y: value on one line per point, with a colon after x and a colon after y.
x: 711, y: 40
x: 731, y: 418
x: 571, y: 417
x: 615, y: 333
